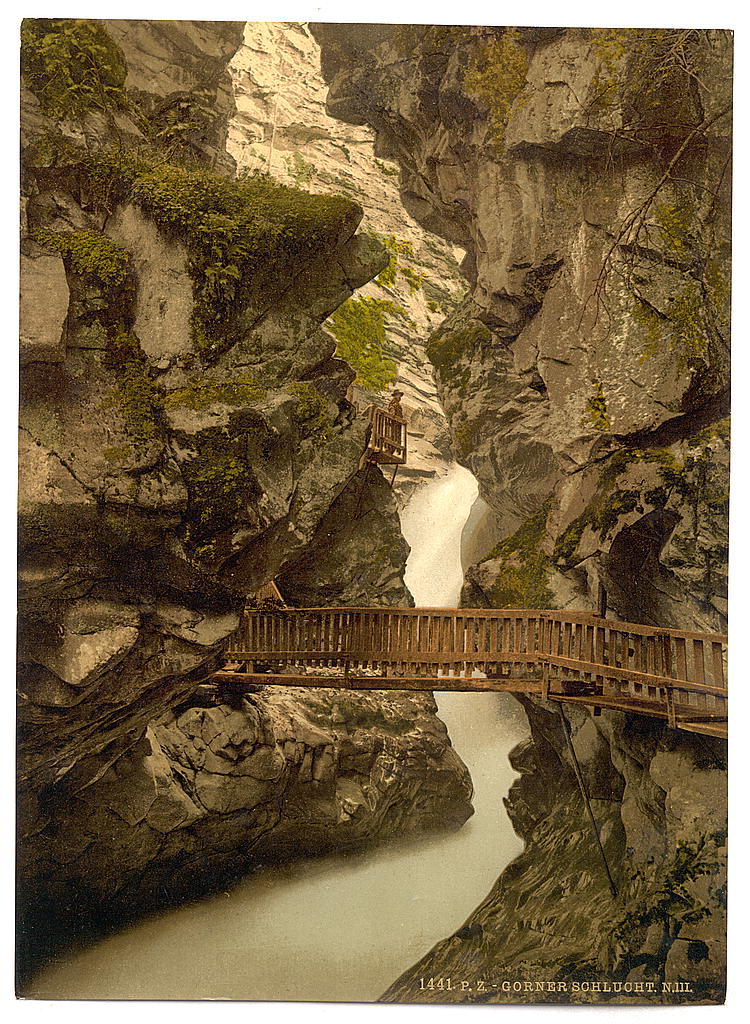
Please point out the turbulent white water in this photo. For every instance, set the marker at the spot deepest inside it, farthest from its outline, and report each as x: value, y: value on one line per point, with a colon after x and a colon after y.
x: 341, y: 927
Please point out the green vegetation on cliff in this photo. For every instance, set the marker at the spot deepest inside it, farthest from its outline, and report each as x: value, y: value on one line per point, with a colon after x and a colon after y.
x: 241, y: 234
x: 140, y: 398
x: 312, y: 410
x: 72, y: 66
x: 596, y: 412
x: 522, y: 581
x: 359, y: 326
x: 89, y: 252
x: 399, y: 247
x: 221, y: 485
x: 447, y: 347
x: 203, y: 391
x: 496, y: 77
x: 691, y: 476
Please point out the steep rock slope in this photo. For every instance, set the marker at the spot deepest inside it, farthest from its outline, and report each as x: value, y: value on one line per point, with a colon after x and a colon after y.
x: 550, y: 930
x: 586, y: 174
x: 282, y: 127
x: 185, y: 437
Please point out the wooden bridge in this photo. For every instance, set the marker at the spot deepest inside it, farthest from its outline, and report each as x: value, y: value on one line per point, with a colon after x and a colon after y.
x: 571, y: 657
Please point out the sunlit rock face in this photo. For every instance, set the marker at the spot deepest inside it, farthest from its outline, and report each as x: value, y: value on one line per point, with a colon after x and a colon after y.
x: 282, y: 126
x: 160, y: 483
x: 185, y: 438
x: 586, y: 379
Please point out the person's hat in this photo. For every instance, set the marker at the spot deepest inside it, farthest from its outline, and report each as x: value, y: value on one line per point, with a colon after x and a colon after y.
x: 397, y: 394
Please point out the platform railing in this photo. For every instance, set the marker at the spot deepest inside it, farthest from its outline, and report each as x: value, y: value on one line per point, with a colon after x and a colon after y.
x: 387, y: 443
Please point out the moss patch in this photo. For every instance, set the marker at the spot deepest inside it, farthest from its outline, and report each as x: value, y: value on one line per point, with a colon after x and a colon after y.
x: 446, y: 348
x: 609, y: 503
x: 203, y: 391
x: 241, y: 234
x: 220, y: 483
x: 311, y: 413
x: 89, y: 252
x: 522, y: 581
x: 141, y: 400
x: 596, y: 412
x: 359, y: 326
x: 496, y: 77
x: 72, y: 65
x: 683, y: 330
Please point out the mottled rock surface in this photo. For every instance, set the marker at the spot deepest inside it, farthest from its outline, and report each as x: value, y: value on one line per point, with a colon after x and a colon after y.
x: 209, y: 791
x: 586, y: 377
x: 585, y: 380
x: 659, y: 799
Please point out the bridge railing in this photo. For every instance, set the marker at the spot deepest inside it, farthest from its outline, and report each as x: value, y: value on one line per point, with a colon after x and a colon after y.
x: 621, y: 661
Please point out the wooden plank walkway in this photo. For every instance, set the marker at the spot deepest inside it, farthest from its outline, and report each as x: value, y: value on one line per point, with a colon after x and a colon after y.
x: 575, y: 657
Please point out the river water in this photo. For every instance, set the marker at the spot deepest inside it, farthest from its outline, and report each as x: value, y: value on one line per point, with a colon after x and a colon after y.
x: 341, y: 927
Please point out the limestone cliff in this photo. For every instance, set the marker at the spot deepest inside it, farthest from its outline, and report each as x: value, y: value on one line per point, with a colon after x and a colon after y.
x: 585, y: 379
x: 185, y: 437
x: 282, y: 127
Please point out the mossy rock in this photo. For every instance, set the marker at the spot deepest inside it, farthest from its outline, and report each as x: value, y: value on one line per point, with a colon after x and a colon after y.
x: 446, y: 348
x: 243, y: 236
x: 89, y: 253
x: 359, y: 326
x: 72, y: 66
x: 523, y: 581
x: 202, y: 391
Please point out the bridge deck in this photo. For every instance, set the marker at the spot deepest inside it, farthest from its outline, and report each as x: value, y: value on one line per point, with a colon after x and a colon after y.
x: 675, y: 675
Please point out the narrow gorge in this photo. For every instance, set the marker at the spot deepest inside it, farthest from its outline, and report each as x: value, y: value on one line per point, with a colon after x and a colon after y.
x: 219, y: 272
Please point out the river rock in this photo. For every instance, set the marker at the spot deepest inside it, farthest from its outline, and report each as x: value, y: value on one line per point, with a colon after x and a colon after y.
x: 209, y: 792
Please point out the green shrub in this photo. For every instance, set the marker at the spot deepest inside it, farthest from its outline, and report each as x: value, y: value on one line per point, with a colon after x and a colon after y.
x: 89, y: 252
x: 72, y: 66
x: 398, y: 247
x: 359, y: 327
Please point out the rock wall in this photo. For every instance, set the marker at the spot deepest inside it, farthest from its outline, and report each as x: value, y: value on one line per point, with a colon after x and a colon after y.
x: 282, y: 127
x: 185, y: 437
x: 550, y: 928
x: 586, y: 376
x: 213, y: 788
x: 585, y: 379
